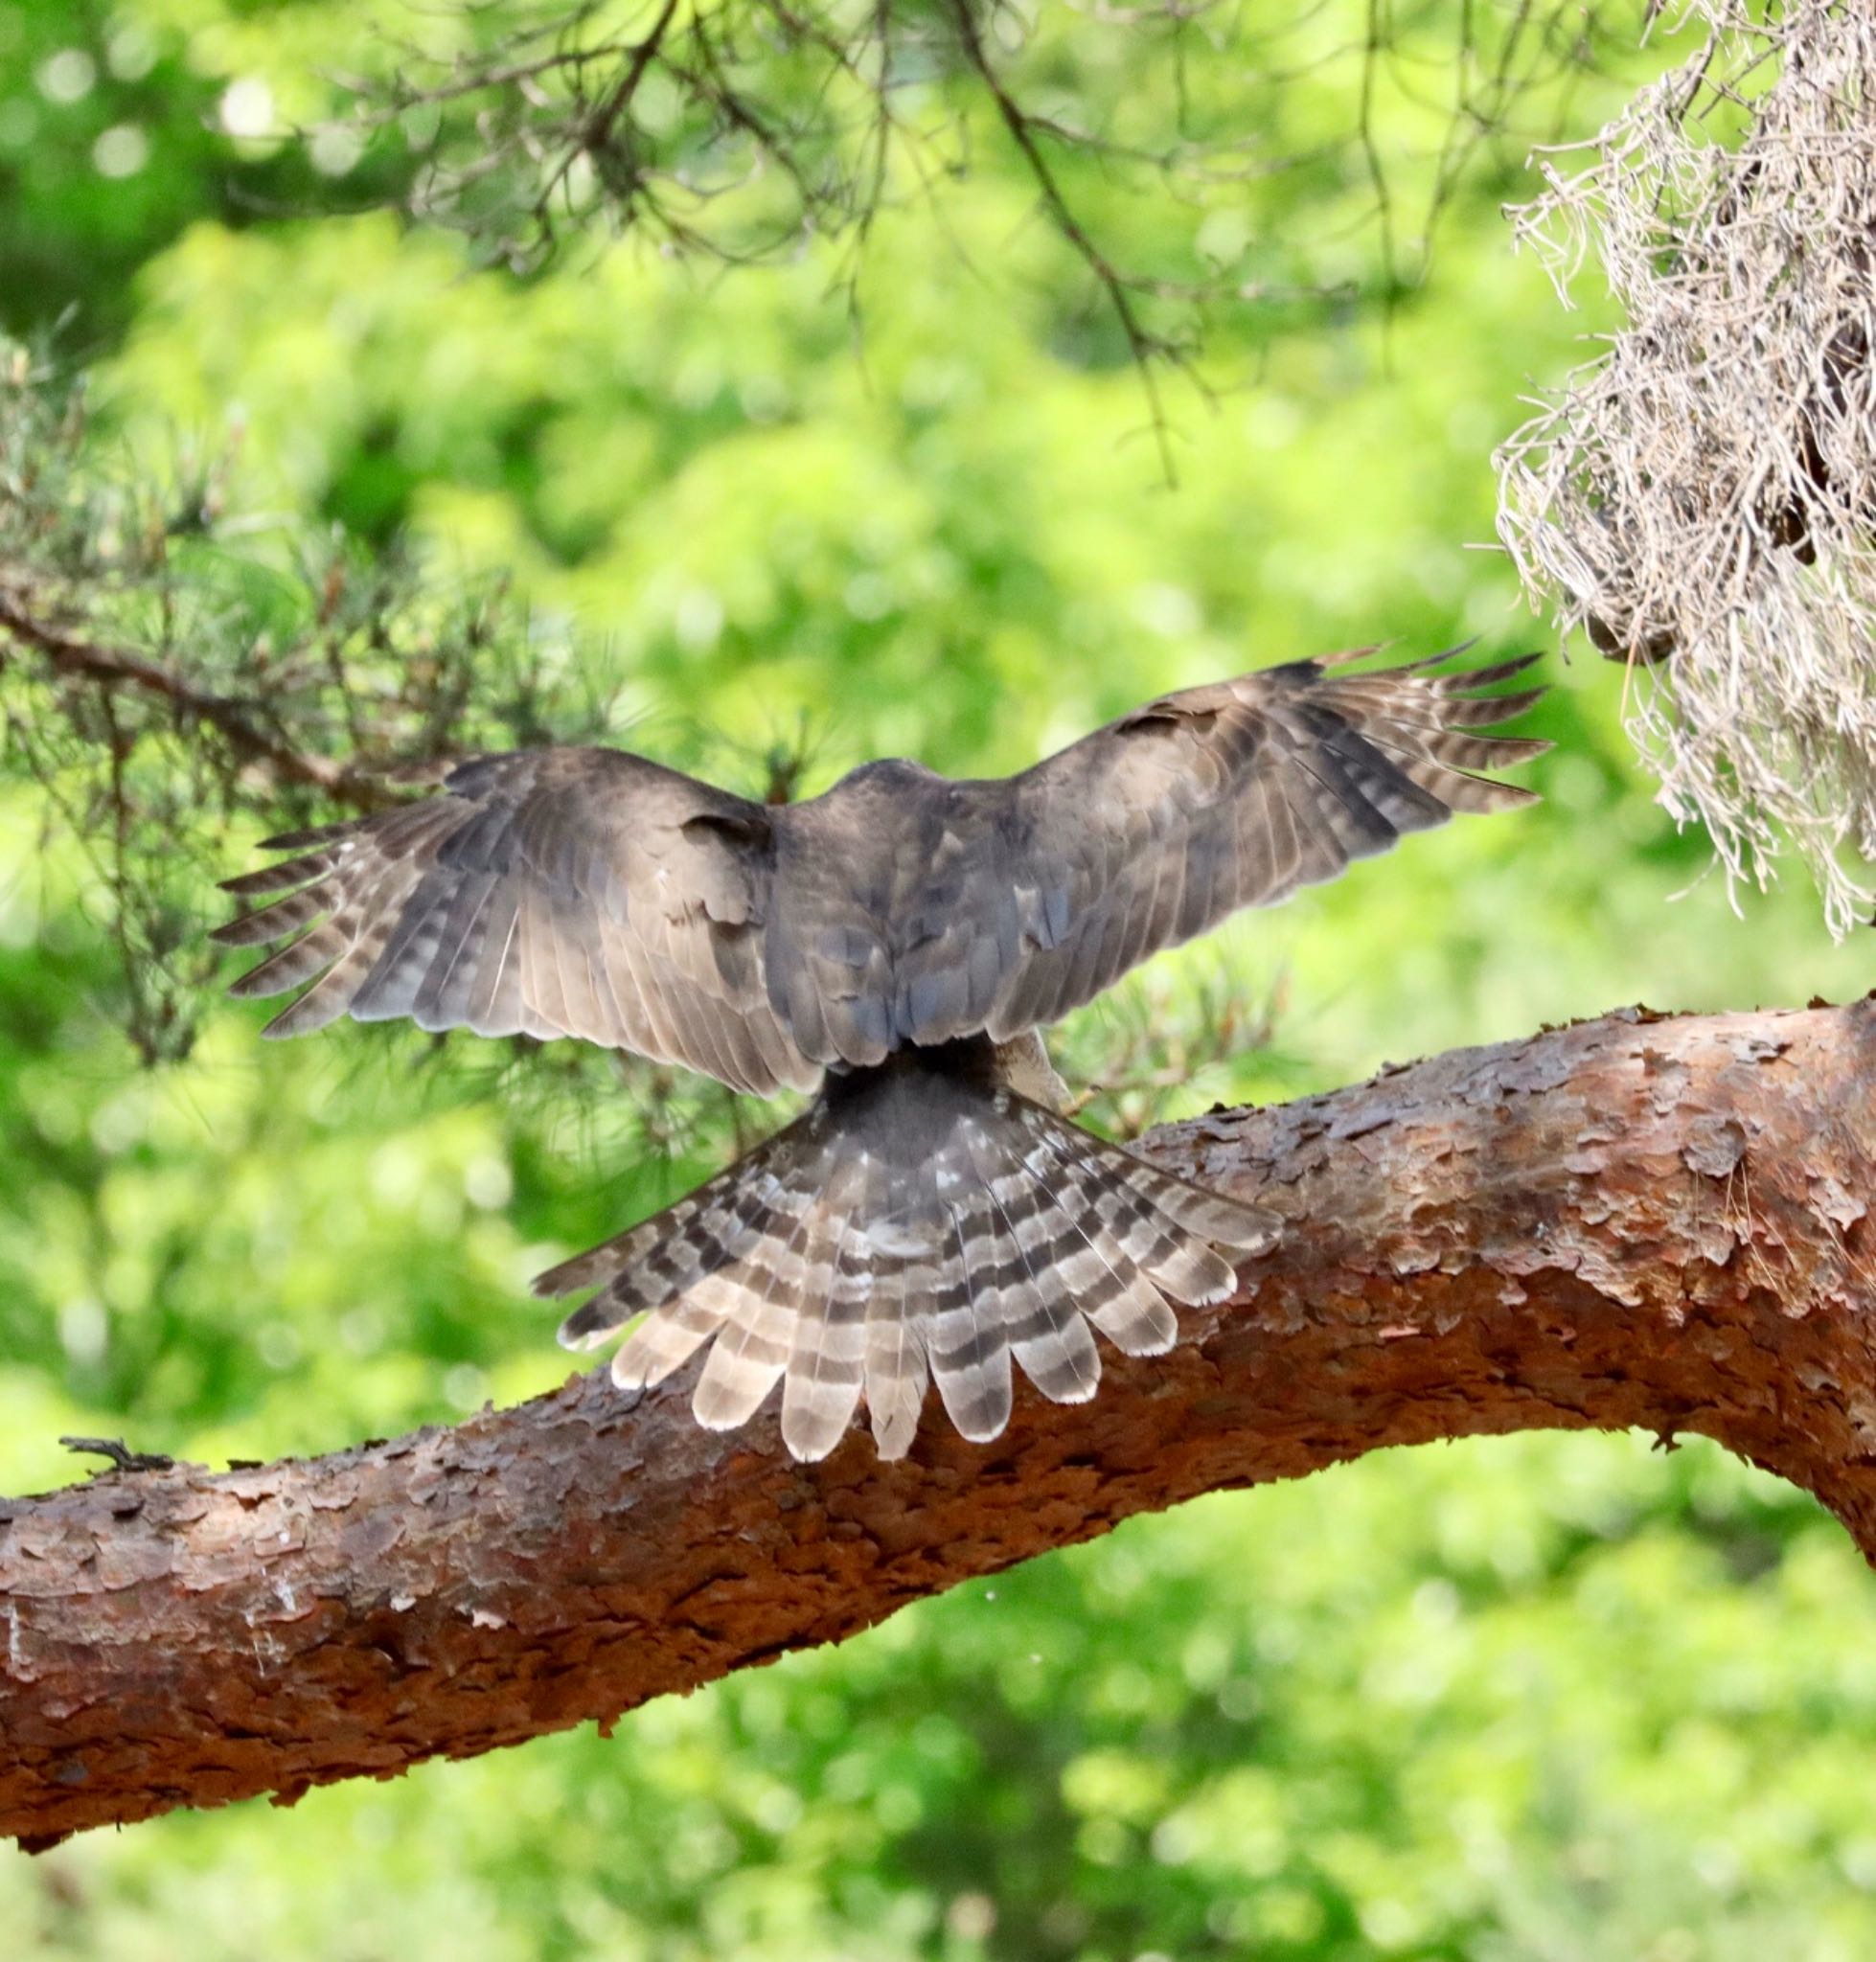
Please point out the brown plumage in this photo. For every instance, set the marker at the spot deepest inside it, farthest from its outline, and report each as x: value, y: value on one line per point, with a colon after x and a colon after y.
x: 894, y: 944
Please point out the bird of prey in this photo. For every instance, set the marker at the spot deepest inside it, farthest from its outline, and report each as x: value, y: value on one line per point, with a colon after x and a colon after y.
x: 893, y: 946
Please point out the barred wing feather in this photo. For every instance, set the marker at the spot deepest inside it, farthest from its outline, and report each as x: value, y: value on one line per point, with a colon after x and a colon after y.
x: 1156, y: 827
x: 553, y: 892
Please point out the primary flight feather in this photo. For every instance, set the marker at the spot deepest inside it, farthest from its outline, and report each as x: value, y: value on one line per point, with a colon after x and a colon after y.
x: 895, y: 944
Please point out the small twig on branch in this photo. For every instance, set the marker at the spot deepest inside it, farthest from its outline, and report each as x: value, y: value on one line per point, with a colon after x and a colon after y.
x: 1142, y: 345
x: 620, y: 97
x: 123, y: 1458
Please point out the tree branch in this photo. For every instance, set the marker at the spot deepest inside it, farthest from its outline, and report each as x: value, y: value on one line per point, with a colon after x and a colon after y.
x: 1144, y: 348
x: 239, y: 724
x: 1639, y: 1221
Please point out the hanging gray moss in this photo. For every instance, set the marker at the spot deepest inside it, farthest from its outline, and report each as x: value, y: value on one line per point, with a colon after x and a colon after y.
x: 1702, y: 496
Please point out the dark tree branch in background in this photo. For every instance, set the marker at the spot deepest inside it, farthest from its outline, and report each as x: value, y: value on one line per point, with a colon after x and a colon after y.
x: 1639, y: 1222
x: 740, y: 129
x: 240, y: 723
x: 1025, y: 133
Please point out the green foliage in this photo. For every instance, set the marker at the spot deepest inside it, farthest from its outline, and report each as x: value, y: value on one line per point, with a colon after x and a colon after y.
x: 1533, y: 1701
x: 109, y: 146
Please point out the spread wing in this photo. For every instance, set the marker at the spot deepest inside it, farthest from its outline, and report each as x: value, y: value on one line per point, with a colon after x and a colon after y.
x: 588, y: 891
x: 550, y: 892
x: 1155, y: 828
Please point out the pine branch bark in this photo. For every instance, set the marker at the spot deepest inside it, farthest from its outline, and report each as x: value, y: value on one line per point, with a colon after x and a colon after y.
x: 1638, y: 1221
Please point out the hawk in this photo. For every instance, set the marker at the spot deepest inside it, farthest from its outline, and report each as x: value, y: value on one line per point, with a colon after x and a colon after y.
x: 893, y: 946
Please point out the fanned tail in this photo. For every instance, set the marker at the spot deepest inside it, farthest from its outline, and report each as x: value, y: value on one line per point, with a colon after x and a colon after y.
x: 917, y: 1223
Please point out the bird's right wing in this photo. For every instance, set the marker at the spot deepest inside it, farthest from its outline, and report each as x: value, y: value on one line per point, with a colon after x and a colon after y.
x: 549, y: 892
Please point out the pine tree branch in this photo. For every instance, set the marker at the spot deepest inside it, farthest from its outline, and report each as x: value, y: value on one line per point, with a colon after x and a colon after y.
x: 1639, y: 1221
x: 240, y: 725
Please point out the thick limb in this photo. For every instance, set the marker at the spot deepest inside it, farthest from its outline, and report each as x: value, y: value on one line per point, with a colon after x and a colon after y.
x: 1651, y: 1221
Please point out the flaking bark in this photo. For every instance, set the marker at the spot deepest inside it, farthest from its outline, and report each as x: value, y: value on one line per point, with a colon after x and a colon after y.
x: 1642, y: 1221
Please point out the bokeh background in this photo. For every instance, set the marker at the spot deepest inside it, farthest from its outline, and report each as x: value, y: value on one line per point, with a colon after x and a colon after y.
x: 1550, y: 1698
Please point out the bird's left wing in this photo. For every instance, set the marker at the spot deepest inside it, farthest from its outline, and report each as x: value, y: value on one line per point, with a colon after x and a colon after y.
x: 1155, y: 828
x: 550, y: 892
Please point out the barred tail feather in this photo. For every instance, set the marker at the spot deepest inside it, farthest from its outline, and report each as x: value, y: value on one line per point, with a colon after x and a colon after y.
x: 916, y: 1226
x: 827, y: 1359
x: 898, y: 1368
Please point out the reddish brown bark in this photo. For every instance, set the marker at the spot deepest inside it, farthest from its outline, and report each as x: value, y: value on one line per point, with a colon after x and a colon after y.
x: 1636, y: 1221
